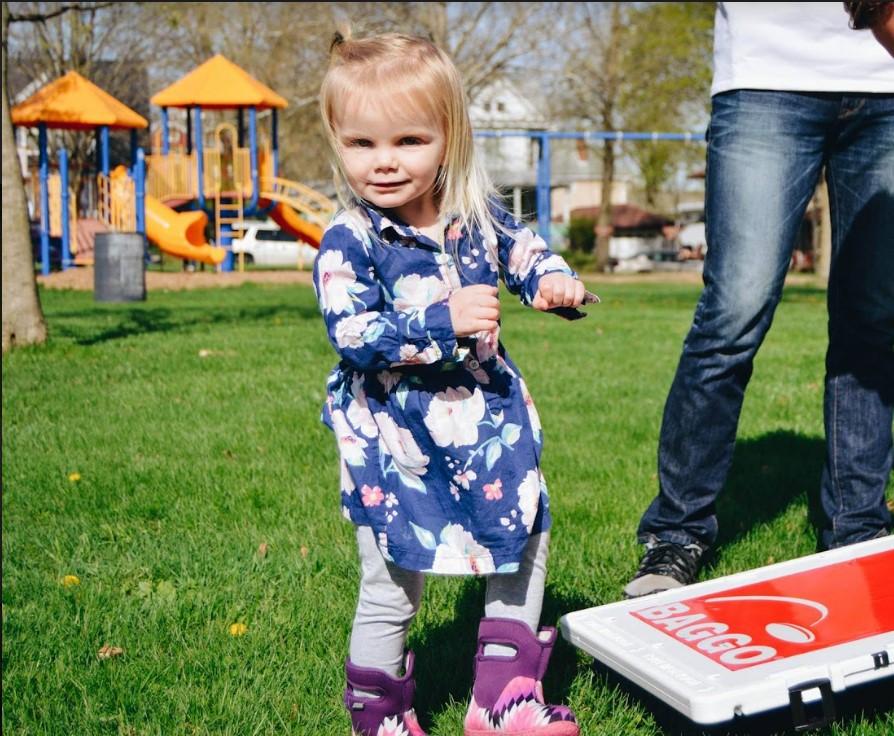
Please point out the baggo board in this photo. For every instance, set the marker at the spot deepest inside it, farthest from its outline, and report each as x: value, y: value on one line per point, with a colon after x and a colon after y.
x: 780, y: 636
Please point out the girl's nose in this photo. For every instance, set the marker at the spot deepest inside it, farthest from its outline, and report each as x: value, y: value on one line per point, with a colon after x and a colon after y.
x: 386, y: 159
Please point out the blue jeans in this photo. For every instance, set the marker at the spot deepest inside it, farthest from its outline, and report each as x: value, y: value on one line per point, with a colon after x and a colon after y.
x: 766, y: 152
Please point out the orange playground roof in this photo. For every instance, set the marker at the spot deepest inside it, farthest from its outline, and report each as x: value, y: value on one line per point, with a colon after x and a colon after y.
x: 74, y: 103
x: 218, y: 84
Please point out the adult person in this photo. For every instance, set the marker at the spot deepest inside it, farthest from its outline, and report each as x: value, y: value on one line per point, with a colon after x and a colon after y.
x: 877, y: 17
x: 795, y: 93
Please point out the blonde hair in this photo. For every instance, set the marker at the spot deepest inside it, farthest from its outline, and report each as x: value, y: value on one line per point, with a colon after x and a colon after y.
x: 415, y: 70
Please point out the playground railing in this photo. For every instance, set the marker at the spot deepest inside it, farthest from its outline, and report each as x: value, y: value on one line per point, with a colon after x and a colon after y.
x: 117, y: 202
x: 54, y: 192
x: 242, y: 170
x: 227, y: 172
x: 174, y: 175
x: 318, y: 207
x: 171, y: 176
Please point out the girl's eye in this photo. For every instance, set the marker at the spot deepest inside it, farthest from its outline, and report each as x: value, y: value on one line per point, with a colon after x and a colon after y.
x: 410, y: 141
x: 359, y: 143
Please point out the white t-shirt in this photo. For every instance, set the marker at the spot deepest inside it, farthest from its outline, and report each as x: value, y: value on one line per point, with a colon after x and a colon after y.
x: 803, y: 47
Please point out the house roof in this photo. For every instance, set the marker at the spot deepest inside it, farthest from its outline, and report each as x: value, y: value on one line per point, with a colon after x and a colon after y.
x: 75, y: 103
x: 218, y: 84
x: 627, y: 217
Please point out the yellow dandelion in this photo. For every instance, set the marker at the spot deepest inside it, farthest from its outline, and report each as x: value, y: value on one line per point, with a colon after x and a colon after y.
x: 74, y: 477
x: 238, y: 629
x: 70, y: 580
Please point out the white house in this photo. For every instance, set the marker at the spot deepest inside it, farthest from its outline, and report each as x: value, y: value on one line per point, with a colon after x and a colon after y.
x: 501, y: 113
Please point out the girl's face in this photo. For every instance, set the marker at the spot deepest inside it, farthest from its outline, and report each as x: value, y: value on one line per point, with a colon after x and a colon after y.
x: 390, y: 155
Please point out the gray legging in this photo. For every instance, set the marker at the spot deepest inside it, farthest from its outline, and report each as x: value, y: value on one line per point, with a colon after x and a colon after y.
x: 390, y: 596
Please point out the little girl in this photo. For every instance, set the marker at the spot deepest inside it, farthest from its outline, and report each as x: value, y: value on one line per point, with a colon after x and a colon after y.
x: 438, y: 438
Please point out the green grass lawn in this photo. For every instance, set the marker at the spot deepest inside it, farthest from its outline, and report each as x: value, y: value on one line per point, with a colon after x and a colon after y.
x: 169, y: 455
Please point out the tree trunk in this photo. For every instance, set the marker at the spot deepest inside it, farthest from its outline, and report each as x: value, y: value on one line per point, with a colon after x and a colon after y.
x: 612, y: 76
x: 23, y: 319
x: 604, y: 222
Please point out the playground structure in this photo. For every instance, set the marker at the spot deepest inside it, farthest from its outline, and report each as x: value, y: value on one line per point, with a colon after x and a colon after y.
x: 172, y: 194
x: 71, y: 103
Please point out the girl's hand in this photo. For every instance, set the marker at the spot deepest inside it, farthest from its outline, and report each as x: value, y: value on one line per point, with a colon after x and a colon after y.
x: 558, y: 290
x: 474, y: 309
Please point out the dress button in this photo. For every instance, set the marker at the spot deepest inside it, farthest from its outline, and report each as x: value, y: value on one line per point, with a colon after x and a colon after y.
x: 474, y: 364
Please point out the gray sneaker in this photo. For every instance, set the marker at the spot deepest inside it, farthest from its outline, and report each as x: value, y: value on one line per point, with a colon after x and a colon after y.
x: 665, y: 565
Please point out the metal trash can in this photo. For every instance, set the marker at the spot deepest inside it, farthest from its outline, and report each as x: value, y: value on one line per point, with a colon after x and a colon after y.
x: 119, y: 270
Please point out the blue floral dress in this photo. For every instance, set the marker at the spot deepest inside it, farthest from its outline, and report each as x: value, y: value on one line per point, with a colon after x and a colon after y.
x: 438, y: 438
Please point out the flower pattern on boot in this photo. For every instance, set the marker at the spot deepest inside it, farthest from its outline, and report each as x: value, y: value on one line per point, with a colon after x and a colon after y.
x: 400, y: 725
x: 520, y: 711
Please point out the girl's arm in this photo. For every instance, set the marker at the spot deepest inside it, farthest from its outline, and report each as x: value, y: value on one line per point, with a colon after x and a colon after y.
x: 525, y: 261
x: 370, y: 328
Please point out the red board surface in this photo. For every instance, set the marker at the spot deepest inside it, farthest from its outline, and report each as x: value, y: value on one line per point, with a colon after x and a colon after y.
x: 781, y: 636
x: 783, y: 617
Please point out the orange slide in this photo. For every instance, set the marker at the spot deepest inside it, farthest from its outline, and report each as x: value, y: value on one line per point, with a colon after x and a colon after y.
x: 293, y: 223
x: 181, y: 234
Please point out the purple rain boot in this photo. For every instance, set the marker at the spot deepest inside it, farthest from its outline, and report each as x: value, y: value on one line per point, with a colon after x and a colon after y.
x: 390, y: 711
x: 507, y: 695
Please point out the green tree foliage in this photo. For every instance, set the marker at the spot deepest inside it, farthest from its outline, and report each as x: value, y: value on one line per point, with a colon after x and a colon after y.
x: 668, y: 66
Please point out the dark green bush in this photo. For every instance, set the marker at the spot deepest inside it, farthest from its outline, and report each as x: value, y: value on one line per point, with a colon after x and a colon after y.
x: 581, y: 237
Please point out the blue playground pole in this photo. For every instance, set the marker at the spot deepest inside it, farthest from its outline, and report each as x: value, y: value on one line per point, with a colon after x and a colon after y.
x: 44, y: 201
x: 200, y: 164
x: 544, y: 206
x: 104, y: 137
x: 253, y: 157
x: 140, y: 190
x: 165, y: 132
x: 65, y: 255
x: 543, y: 162
x: 226, y: 239
x: 275, y: 143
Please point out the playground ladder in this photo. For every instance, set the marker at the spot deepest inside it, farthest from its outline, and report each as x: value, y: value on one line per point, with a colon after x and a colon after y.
x: 228, y: 210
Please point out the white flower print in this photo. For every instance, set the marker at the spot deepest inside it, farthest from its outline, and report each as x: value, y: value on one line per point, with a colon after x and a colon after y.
x: 554, y: 262
x: 350, y: 332
x: 509, y: 522
x: 529, y: 496
x: 398, y: 442
x: 418, y: 292
x: 412, y: 355
x: 347, y: 480
x: 337, y: 283
x: 389, y: 379
x: 453, y: 416
x: 350, y: 446
x: 486, y: 347
x: 358, y: 414
x: 458, y: 553
x: 533, y: 416
x: 525, y: 251
x: 409, y: 354
x: 391, y: 504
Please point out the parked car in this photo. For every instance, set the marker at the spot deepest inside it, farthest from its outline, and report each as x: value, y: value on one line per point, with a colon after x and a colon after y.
x: 265, y: 244
x: 674, y: 260
x: 640, y: 263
